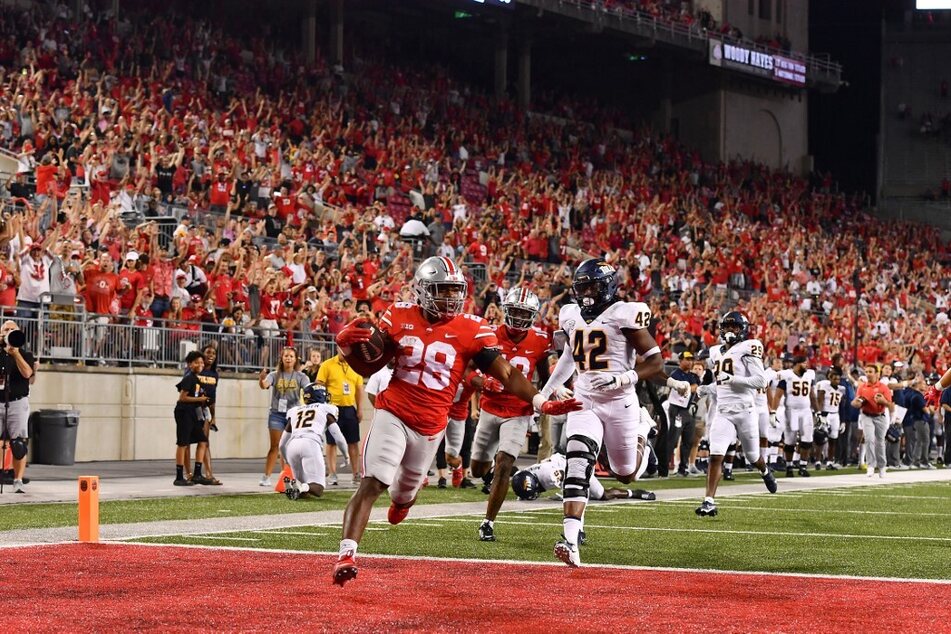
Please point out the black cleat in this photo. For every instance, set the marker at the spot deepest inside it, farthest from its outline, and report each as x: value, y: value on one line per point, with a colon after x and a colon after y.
x: 486, y: 534
x: 804, y: 471
x: 728, y: 475
x: 442, y: 483
x: 582, y: 538
x: 707, y: 509
x: 789, y: 472
x: 770, y: 480
x: 467, y: 484
x: 641, y: 494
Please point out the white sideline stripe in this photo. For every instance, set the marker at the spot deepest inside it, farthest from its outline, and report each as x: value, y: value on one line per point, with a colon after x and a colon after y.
x: 745, y: 507
x: 883, y: 495
x: 280, y: 532
x: 549, y: 564
x: 234, y: 539
x: 732, y: 532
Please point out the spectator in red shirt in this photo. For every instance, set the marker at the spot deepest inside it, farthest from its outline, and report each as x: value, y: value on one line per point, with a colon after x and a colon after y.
x: 101, y: 299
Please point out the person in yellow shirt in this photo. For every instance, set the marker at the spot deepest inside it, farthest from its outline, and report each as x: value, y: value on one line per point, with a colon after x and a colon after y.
x: 346, y: 392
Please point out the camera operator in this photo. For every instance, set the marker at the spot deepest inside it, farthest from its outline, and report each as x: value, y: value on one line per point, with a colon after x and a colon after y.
x: 18, y: 368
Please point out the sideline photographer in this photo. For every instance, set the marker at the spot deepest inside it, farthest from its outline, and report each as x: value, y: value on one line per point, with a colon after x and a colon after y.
x: 18, y: 371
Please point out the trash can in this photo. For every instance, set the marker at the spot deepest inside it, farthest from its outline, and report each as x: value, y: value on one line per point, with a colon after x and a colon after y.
x: 53, y: 436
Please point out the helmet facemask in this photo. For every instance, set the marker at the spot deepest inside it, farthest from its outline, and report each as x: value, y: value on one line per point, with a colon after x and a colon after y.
x: 590, y: 295
x: 518, y: 318
x: 443, y: 300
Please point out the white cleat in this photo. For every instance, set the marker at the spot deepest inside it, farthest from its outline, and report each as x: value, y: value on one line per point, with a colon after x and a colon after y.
x: 568, y: 553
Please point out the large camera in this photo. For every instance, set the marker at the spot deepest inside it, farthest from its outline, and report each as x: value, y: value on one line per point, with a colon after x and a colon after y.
x: 15, y: 339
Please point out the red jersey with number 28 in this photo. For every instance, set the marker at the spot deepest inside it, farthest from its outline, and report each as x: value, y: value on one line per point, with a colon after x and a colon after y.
x: 430, y: 362
x: 523, y: 356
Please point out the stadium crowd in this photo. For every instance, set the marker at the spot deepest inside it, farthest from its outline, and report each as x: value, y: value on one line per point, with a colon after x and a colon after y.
x: 307, y: 196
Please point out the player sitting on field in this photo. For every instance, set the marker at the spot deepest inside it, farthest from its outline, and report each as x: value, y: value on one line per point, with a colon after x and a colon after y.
x: 302, y: 443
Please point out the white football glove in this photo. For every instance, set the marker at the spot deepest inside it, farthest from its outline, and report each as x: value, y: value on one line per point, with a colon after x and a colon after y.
x: 561, y: 393
x: 773, y: 420
x: 681, y: 387
x: 606, y: 382
x: 724, y: 379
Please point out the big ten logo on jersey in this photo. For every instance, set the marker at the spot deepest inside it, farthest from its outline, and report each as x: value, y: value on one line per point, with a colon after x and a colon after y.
x: 589, y: 348
x: 430, y: 363
x: 303, y: 418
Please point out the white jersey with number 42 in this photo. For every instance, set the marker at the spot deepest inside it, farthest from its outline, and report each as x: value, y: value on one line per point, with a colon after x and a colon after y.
x: 310, y: 421
x: 600, y: 345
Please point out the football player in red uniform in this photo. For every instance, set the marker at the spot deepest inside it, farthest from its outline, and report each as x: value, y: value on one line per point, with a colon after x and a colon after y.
x: 432, y: 342
x: 505, y: 418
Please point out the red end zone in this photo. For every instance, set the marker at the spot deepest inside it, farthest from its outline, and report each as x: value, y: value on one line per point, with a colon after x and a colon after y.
x: 121, y: 587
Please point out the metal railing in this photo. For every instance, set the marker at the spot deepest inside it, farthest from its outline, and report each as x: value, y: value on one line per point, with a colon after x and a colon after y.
x: 69, y: 335
x: 819, y: 66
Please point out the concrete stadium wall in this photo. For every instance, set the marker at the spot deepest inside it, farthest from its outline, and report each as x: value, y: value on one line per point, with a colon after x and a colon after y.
x: 741, y: 118
x: 766, y: 124
x: 126, y: 414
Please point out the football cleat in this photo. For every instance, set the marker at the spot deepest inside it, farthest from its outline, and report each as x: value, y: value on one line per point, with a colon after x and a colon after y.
x: 707, y: 509
x: 641, y: 494
x: 486, y: 533
x: 832, y: 466
x: 567, y: 553
x: 789, y: 472
x: 457, y: 476
x: 467, y: 484
x: 344, y: 570
x: 441, y: 484
x: 728, y: 475
x: 397, y: 514
x: 769, y: 480
x: 290, y: 488
x: 804, y: 471
x: 582, y: 538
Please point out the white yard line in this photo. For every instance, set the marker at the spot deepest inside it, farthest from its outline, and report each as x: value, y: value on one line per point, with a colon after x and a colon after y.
x: 727, y: 531
x: 550, y: 564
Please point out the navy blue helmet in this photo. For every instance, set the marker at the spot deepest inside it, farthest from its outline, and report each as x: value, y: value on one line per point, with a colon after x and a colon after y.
x: 734, y: 328
x: 594, y: 286
x: 526, y: 485
x: 315, y: 393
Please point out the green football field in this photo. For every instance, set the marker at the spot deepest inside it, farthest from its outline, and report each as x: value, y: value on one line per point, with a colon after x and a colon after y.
x: 898, y: 530
x: 200, y: 507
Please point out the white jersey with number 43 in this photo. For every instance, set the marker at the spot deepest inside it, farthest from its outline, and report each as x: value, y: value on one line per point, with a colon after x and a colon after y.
x: 743, y: 359
x: 798, y: 388
x: 600, y: 345
x: 310, y: 421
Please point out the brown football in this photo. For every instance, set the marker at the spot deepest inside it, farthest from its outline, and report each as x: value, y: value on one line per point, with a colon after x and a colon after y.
x: 364, y: 355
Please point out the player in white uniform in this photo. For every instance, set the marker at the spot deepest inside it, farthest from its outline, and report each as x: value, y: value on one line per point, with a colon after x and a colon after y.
x: 605, y: 340
x: 549, y: 474
x: 829, y: 395
x: 302, y: 443
x: 796, y: 388
x: 738, y: 372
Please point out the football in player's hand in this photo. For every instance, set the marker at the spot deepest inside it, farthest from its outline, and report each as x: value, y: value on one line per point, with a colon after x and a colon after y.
x: 371, y: 351
x: 366, y: 354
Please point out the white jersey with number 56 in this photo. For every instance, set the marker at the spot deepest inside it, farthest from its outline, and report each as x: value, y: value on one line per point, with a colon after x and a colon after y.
x: 600, y: 345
